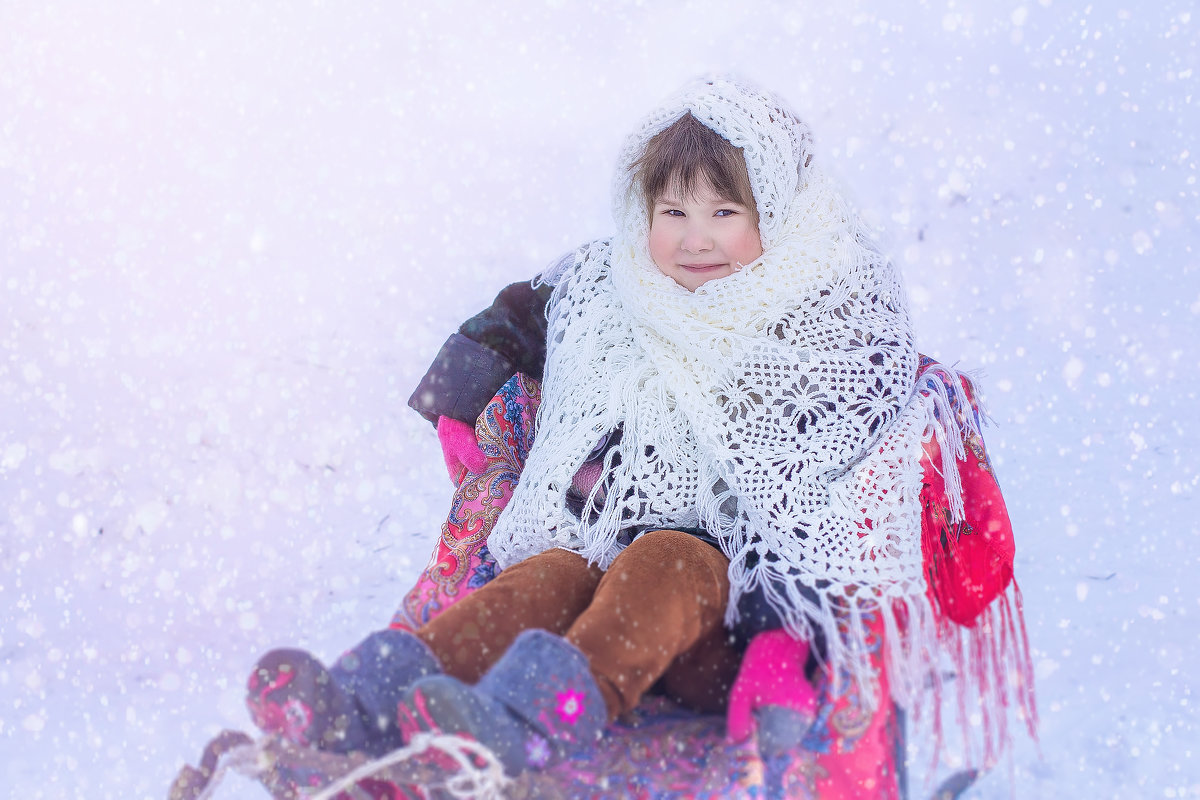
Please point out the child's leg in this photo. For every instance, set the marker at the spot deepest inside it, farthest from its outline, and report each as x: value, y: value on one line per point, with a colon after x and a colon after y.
x: 547, y: 591
x: 351, y: 705
x: 548, y: 695
x: 662, y: 602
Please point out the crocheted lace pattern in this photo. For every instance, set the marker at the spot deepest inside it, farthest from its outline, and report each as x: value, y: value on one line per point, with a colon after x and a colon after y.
x: 774, y: 407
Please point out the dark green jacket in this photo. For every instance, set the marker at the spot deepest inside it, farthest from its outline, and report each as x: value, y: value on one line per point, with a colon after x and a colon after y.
x: 507, y: 337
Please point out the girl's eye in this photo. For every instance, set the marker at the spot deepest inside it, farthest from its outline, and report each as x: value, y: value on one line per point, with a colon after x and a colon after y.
x: 725, y: 212
x: 673, y: 212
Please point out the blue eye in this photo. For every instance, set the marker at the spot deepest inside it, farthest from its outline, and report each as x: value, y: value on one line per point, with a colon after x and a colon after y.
x: 726, y: 212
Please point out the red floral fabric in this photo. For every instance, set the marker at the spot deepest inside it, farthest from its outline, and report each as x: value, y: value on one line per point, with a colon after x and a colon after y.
x: 461, y: 563
x: 968, y: 563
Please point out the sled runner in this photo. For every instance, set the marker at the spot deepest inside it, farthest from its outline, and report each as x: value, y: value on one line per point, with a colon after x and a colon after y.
x: 846, y: 748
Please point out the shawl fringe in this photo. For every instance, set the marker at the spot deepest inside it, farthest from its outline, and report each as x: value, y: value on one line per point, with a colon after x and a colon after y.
x: 992, y: 665
x: 993, y: 677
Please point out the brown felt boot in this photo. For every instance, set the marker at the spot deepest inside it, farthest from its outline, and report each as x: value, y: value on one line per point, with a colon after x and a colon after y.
x: 658, y: 613
x: 546, y: 592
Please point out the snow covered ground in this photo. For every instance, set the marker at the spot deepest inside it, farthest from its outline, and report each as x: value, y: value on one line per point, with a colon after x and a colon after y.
x: 233, y: 235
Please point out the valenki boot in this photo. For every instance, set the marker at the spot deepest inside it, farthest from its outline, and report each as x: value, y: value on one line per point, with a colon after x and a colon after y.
x: 536, y: 706
x: 351, y: 706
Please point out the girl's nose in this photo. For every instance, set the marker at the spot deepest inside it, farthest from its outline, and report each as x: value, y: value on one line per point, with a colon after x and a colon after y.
x: 696, y: 240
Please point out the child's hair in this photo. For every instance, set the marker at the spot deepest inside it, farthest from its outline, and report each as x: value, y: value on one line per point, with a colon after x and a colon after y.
x: 686, y: 153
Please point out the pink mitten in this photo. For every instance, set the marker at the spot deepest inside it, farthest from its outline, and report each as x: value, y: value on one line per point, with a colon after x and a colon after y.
x: 772, y: 674
x: 460, y: 448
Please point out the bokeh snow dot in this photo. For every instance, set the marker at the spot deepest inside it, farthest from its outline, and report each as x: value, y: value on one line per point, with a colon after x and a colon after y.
x: 233, y: 236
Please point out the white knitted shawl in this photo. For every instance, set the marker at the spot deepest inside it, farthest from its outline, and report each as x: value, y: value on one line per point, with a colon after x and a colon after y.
x: 774, y: 408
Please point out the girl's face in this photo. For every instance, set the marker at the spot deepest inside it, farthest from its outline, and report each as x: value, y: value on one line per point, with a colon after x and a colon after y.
x: 698, y: 239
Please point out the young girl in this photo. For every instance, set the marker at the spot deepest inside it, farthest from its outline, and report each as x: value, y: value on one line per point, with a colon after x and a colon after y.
x: 728, y: 423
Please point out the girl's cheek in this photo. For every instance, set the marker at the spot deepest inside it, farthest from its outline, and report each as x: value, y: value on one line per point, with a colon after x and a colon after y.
x: 661, y: 247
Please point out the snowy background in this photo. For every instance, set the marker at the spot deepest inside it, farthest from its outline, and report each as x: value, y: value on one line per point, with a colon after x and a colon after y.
x: 233, y: 235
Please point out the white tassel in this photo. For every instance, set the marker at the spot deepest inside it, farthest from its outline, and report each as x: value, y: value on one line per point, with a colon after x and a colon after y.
x: 951, y: 420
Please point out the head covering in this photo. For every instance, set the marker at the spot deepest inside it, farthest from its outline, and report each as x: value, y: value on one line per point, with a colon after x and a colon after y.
x: 776, y: 145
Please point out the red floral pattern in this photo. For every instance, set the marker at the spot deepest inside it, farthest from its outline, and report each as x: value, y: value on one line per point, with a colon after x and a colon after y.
x: 461, y: 563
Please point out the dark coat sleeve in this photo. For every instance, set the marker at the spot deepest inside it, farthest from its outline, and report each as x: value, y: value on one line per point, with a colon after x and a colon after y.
x: 506, y: 338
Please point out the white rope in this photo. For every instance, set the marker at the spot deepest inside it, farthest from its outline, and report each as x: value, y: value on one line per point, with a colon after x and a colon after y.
x: 471, y: 781
x: 246, y: 759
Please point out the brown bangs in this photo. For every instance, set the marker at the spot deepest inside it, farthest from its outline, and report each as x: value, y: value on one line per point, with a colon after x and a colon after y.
x: 686, y: 155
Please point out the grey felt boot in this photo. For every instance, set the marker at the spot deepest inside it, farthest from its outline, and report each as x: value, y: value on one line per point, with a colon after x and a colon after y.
x: 534, y: 707
x: 351, y: 706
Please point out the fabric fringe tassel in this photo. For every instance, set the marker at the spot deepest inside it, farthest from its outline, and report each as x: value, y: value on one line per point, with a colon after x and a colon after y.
x: 991, y: 658
x: 957, y: 414
x: 992, y: 666
x: 992, y: 663
x: 991, y: 671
